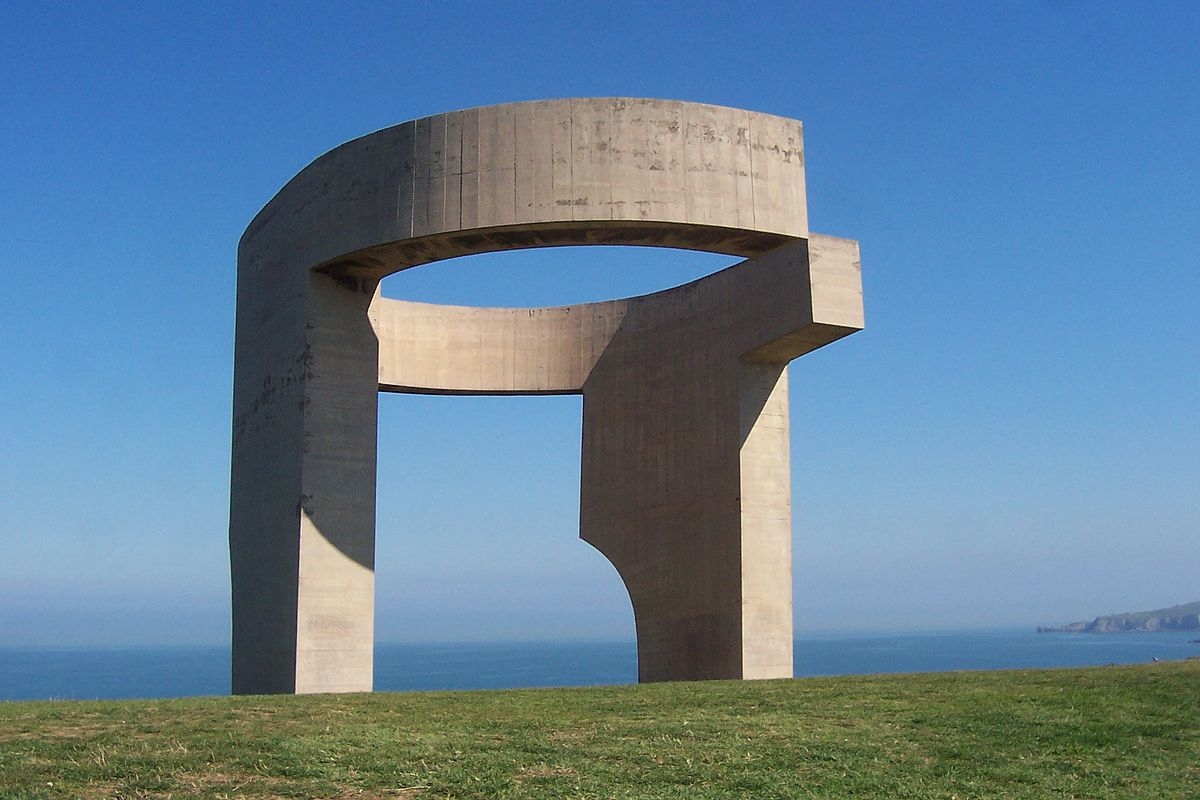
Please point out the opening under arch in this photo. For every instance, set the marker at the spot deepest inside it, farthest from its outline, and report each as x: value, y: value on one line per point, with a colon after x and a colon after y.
x: 482, y: 580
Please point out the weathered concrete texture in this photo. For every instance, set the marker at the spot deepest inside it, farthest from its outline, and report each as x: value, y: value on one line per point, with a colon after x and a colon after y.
x: 685, y: 482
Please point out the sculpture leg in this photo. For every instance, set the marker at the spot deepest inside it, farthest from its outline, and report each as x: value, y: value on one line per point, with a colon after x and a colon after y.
x: 766, y: 522
x: 685, y: 488
x: 302, y: 516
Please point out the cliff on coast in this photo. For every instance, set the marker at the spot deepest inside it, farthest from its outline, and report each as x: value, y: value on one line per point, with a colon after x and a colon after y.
x: 1185, y: 617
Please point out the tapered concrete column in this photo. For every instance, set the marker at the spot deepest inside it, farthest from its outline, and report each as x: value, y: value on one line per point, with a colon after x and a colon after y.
x: 686, y: 482
x: 686, y: 477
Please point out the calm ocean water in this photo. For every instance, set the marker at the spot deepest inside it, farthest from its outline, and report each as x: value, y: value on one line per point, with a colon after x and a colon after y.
x: 46, y: 673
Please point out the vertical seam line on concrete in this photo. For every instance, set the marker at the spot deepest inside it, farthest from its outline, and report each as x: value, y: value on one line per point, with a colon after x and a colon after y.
x: 608, y: 148
x: 410, y: 165
x: 684, y: 121
x: 571, y: 154
x: 445, y: 168
x: 516, y: 166
x: 643, y: 211
x: 461, y: 162
x: 750, y: 147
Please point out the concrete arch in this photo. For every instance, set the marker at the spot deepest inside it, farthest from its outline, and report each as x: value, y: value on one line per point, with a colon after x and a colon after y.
x: 685, y: 463
x: 538, y: 174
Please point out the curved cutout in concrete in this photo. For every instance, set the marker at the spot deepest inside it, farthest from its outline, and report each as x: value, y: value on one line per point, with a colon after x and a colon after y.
x: 685, y: 474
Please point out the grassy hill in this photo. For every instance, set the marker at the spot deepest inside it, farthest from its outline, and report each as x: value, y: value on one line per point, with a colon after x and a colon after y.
x: 1087, y: 733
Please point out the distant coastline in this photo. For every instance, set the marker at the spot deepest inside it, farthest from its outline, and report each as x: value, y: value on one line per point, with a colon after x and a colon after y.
x: 1184, y: 617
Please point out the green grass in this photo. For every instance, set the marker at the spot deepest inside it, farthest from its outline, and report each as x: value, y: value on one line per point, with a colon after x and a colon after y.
x: 1087, y: 733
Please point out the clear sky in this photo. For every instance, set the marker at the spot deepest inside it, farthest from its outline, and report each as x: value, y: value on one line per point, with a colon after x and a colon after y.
x: 1013, y: 440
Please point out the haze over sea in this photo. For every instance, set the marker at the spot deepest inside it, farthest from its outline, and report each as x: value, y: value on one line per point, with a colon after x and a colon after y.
x: 91, y: 673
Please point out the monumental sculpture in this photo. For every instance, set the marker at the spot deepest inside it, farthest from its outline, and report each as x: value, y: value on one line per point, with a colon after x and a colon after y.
x: 685, y: 479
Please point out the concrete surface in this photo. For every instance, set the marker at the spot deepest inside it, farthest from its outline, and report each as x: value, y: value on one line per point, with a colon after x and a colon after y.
x: 685, y: 473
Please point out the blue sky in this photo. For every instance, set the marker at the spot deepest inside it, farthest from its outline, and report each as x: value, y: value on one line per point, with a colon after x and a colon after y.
x: 1013, y: 440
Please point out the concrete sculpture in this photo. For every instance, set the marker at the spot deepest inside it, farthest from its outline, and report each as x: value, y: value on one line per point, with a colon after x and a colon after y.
x: 685, y: 462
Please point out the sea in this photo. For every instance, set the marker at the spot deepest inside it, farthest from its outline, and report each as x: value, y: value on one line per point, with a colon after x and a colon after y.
x: 46, y: 673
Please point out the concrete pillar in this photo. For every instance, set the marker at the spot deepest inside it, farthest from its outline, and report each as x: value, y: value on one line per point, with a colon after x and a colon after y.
x: 765, y: 533
x: 302, y: 518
